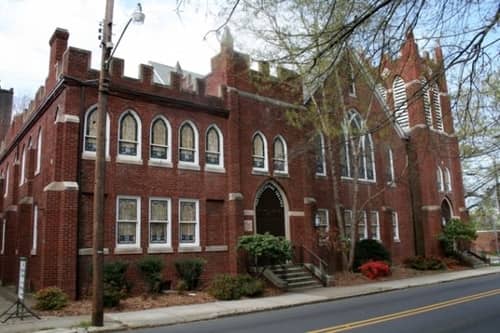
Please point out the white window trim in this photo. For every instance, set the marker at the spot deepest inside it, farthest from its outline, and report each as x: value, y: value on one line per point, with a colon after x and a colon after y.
x: 6, y: 184
x: 190, y: 165
x: 38, y: 153
x: 23, y: 166
x: 35, y: 230
x: 168, y: 244
x: 137, y: 244
x: 219, y: 166
x: 86, y: 154
x: 365, y: 228
x: 317, y: 221
x: 4, y: 228
x: 138, y: 155
x: 285, y: 152
x: 197, y: 227
x: 266, y: 164
x: 395, y: 226
x: 161, y: 161
x: 349, y: 212
x: 391, y: 167
x: 377, y: 224
x: 323, y: 155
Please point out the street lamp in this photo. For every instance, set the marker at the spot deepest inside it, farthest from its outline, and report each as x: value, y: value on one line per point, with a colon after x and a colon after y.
x: 100, y: 163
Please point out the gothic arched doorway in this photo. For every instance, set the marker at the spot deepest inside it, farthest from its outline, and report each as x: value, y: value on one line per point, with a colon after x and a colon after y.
x: 270, y: 211
x: 446, y: 212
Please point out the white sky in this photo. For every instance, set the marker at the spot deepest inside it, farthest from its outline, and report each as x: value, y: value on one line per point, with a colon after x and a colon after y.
x: 27, y: 25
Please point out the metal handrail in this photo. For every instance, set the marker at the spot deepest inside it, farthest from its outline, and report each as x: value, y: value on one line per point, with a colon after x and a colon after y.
x: 321, y: 261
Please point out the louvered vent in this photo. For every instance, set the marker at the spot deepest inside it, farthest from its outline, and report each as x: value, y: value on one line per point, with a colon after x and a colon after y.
x: 437, y: 107
x: 381, y: 90
x: 427, y: 103
x: 400, y: 102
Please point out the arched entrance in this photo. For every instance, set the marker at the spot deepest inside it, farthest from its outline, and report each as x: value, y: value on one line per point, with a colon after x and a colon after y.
x: 270, y: 211
x: 446, y: 212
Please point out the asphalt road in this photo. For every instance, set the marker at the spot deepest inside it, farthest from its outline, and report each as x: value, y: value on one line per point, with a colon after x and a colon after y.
x: 471, y: 305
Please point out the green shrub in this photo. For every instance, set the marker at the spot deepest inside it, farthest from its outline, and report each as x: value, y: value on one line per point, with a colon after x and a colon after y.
x: 151, y: 268
x: 181, y: 286
x: 225, y: 287
x: 250, y: 286
x: 51, y: 298
x: 190, y: 271
x: 112, y: 296
x: 369, y: 250
x: 114, y: 275
x: 266, y: 249
x: 228, y: 287
x: 454, y: 232
x: 425, y: 263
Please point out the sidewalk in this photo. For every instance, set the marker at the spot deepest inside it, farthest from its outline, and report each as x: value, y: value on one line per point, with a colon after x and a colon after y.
x: 188, y: 313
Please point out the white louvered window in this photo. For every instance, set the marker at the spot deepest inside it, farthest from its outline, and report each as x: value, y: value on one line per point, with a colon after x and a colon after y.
x: 319, y: 146
x: 427, y: 102
x: 400, y: 103
x: 436, y: 103
x: 382, y: 91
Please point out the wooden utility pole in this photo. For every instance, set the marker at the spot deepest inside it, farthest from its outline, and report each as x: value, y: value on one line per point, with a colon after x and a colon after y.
x: 100, y: 170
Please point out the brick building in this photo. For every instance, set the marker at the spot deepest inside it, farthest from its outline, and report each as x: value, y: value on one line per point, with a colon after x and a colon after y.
x: 193, y: 163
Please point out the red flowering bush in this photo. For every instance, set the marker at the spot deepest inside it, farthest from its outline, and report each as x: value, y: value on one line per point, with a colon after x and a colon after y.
x: 375, y: 269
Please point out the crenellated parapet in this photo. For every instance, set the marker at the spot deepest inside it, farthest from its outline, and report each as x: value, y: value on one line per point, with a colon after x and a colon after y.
x: 233, y: 69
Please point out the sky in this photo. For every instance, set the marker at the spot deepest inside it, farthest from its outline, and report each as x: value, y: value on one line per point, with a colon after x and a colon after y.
x: 165, y: 37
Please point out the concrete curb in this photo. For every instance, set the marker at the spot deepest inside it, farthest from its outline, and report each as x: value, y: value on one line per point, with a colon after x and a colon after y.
x: 198, y: 312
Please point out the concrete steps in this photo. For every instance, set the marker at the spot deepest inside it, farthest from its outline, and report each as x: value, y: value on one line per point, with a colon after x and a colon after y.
x: 296, y: 276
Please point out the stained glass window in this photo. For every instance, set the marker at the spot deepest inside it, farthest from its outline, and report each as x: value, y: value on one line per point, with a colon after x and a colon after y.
x: 91, y: 131
x: 188, y: 221
x: 258, y: 153
x: 159, y: 139
x: 158, y: 221
x: 280, y: 158
x: 127, y: 220
x: 187, y: 147
x: 212, y: 154
x: 128, y: 135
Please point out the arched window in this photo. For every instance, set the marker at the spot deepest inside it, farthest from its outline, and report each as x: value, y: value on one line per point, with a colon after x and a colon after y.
x: 280, y: 157
x: 90, y: 133
x: 259, y: 152
x: 188, y: 147
x: 213, y: 147
x: 400, y: 102
x: 358, y: 148
x: 319, y: 146
x: 38, y: 153
x: 436, y: 102
x: 447, y: 180
x: 160, y: 138
x: 440, y: 179
x: 427, y: 102
x: 129, y: 136
x: 23, y: 167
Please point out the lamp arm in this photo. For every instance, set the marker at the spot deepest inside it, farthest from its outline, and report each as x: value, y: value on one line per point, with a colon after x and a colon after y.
x: 118, y: 42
